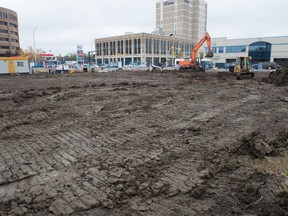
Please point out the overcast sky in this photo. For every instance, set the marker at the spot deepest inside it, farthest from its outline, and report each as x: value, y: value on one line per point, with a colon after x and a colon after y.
x: 63, y: 24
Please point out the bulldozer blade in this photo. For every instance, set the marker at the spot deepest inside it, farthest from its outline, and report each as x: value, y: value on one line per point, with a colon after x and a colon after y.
x: 209, y: 54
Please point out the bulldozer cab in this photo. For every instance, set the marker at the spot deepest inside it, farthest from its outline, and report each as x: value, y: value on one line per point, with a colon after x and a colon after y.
x: 242, y: 67
x: 244, y: 63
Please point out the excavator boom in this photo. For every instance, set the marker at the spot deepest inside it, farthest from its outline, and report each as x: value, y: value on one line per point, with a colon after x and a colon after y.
x: 210, y: 54
x: 193, y: 63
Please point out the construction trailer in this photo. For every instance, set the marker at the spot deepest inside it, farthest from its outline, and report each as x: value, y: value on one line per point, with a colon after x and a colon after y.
x: 11, y: 65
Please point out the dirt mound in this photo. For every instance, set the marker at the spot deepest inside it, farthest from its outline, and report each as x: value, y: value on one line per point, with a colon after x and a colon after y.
x: 256, y: 145
x: 278, y: 78
x: 250, y: 192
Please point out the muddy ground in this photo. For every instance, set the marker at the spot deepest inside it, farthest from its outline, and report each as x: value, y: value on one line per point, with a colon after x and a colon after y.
x: 143, y: 143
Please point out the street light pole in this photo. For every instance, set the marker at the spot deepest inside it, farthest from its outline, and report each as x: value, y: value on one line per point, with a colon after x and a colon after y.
x: 34, y: 44
x: 92, y: 51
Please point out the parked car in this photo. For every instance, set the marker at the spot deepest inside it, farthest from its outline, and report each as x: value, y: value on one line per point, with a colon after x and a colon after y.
x: 228, y: 65
x: 110, y: 68
x: 273, y: 65
x: 255, y: 66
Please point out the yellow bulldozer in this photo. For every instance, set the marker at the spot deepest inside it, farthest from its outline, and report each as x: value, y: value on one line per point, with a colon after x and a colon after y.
x: 242, y: 68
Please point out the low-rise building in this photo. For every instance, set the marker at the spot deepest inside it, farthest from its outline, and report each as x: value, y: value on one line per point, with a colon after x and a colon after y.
x: 262, y: 49
x: 141, y: 48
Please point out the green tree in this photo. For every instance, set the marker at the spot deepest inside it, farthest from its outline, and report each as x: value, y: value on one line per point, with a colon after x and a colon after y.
x: 201, y: 55
x: 31, y: 54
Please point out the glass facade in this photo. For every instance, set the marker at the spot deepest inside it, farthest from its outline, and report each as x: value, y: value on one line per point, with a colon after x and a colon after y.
x: 235, y: 49
x: 260, y: 51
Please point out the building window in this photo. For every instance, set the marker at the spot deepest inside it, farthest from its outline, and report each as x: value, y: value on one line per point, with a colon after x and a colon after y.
x: 148, y: 46
x: 130, y: 46
x: 3, y: 15
x: 137, y: 46
x: 4, y: 39
x: 221, y: 49
x: 260, y: 51
x: 13, y: 25
x: 20, y: 64
x: 3, y: 31
x: 13, y: 33
x: 4, y: 47
x: 3, y: 23
x: 235, y: 49
x: 156, y: 46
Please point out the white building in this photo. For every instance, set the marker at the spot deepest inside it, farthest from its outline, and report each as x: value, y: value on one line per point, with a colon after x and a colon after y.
x: 141, y: 48
x: 185, y: 19
x: 262, y: 49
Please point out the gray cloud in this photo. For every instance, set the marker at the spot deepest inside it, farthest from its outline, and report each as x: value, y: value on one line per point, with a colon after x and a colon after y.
x: 62, y: 25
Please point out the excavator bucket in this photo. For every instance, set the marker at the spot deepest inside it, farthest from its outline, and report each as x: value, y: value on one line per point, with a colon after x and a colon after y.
x: 209, y: 54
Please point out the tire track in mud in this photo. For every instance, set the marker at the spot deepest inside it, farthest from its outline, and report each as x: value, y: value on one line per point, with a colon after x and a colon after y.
x: 144, y: 159
x: 177, y: 177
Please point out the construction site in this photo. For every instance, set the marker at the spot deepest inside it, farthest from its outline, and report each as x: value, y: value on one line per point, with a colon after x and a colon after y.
x: 144, y: 143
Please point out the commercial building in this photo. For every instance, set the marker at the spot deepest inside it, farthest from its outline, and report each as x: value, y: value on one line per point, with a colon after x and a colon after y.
x: 180, y: 24
x: 185, y: 19
x: 262, y: 49
x: 9, y: 36
x: 141, y: 48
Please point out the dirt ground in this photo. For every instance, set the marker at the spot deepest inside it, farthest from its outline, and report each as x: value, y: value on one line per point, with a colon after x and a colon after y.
x: 143, y: 143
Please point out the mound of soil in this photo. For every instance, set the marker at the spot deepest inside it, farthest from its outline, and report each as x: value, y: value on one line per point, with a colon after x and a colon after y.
x: 278, y: 78
x: 256, y: 145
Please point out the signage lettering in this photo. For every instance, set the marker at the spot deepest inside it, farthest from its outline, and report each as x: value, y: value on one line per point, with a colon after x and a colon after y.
x: 168, y: 3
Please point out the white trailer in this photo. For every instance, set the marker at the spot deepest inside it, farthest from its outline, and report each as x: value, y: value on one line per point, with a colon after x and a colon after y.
x: 11, y: 65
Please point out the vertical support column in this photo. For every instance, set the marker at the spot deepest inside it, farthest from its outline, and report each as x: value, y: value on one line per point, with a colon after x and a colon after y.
x: 133, y: 46
x: 143, y: 49
x: 124, y: 52
x: 152, y: 48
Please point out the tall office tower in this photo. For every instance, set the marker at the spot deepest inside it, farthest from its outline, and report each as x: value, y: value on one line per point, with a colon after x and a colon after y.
x: 185, y: 19
x: 9, y: 38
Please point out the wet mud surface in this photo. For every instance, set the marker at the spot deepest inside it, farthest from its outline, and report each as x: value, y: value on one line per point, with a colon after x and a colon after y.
x: 142, y: 143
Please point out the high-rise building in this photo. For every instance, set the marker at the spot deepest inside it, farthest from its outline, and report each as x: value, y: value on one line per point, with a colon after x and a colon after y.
x: 9, y: 38
x: 185, y: 19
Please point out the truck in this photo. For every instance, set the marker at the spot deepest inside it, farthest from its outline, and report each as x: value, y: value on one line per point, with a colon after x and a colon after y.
x: 67, y: 68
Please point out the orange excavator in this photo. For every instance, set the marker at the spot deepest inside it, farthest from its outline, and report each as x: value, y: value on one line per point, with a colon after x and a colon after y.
x: 192, y: 64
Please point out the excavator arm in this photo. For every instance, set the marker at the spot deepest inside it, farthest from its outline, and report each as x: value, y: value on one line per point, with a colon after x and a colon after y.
x: 206, y: 38
x: 192, y: 64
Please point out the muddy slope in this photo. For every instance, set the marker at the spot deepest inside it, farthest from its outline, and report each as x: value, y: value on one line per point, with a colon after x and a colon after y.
x: 278, y: 78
